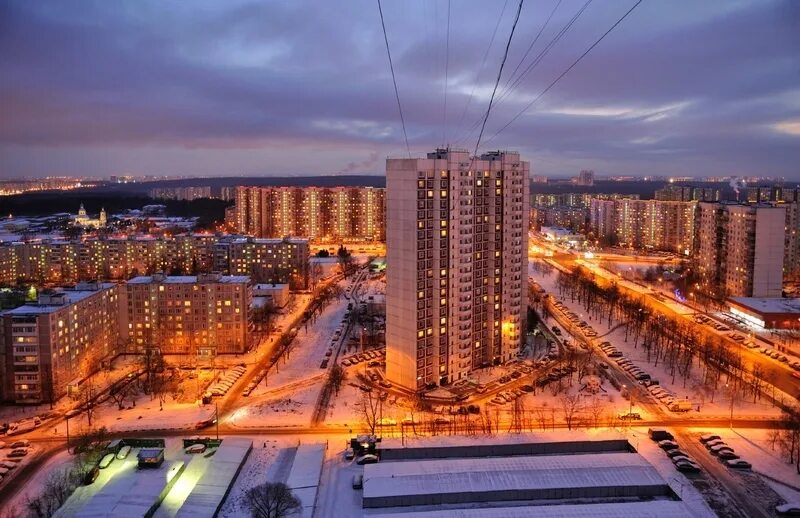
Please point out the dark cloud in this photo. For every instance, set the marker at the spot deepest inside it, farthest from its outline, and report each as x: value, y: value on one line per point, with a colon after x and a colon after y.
x: 248, y: 87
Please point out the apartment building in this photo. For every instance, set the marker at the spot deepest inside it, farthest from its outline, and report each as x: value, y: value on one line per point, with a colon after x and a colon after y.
x: 57, y: 341
x: 457, y: 255
x: 644, y: 224
x: 62, y: 262
x: 181, y: 193
x: 204, y: 315
x: 674, y: 192
x: 282, y: 261
x: 321, y: 214
x: 739, y: 249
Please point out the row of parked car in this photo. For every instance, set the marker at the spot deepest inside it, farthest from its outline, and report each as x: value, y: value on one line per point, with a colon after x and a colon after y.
x: 666, y: 441
x: 702, y: 319
x: 373, y: 355
x: 222, y: 387
x: 669, y: 399
x: 508, y: 396
x: 717, y: 447
x: 586, y: 329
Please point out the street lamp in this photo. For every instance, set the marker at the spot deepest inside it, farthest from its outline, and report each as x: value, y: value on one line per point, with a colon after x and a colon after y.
x: 731, y: 395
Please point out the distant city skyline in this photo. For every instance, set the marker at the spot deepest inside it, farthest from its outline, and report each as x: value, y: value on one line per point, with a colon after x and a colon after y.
x: 248, y: 89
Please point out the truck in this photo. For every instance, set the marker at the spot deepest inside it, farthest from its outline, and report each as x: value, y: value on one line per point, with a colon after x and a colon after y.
x: 681, y: 405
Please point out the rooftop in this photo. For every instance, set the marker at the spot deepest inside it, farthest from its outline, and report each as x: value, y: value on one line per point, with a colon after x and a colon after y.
x: 189, y: 279
x: 70, y: 297
x: 769, y: 305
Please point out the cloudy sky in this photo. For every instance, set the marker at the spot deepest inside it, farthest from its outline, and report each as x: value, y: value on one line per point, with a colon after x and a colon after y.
x: 240, y: 87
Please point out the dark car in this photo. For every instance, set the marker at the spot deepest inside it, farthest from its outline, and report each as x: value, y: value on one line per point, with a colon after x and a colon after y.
x: 687, y: 467
x: 91, y: 476
x: 367, y: 459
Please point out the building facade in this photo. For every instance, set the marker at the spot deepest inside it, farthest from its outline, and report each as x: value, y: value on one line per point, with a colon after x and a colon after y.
x: 65, y: 262
x: 644, y: 224
x: 739, y: 249
x: 457, y: 256
x: 201, y: 315
x: 321, y: 214
x: 674, y: 192
x: 180, y: 193
x: 59, y: 340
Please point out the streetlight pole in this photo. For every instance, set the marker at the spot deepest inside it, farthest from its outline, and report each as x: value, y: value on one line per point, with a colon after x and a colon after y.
x: 67, y: 421
x: 216, y: 417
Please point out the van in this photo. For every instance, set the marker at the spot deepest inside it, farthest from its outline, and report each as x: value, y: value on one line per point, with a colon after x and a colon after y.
x: 358, y: 481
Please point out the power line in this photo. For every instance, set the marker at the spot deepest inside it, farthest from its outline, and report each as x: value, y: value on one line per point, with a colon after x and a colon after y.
x: 446, y: 67
x: 394, y: 81
x: 499, y: 75
x: 565, y: 72
x: 552, y: 43
x: 507, y: 91
x: 538, y: 35
x: 480, y: 70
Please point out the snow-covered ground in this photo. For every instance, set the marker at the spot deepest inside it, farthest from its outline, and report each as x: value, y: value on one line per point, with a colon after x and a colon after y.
x: 691, y: 388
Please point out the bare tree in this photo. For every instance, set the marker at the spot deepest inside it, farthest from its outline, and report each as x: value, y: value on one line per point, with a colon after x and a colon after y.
x: 271, y: 500
x: 57, y: 488
x: 369, y: 409
x: 120, y: 394
x: 336, y: 377
x: 571, y: 407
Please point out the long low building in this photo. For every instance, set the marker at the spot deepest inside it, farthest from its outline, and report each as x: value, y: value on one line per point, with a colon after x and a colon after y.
x: 767, y: 313
x: 470, y: 480
x: 651, y: 509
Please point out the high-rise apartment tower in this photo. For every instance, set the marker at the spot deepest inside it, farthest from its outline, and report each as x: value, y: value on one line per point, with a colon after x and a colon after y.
x: 457, y: 264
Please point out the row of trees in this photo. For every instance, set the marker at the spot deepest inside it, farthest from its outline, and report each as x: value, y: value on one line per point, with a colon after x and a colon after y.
x: 681, y: 347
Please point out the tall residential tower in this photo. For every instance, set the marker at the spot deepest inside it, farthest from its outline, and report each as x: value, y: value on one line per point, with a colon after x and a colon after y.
x: 457, y: 247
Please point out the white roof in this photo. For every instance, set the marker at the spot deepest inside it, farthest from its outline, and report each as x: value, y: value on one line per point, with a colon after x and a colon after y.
x: 652, y: 509
x: 769, y: 305
x: 478, y: 475
x: 189, y: 279
x: 211, y: 488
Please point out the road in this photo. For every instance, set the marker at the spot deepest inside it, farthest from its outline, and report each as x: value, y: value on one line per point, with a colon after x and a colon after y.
x: 783, y: 379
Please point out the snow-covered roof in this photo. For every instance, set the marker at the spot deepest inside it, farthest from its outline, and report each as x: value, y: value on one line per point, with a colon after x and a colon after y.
x: 206, y: 496
x: 769, y: 305
x: 71, y: 297
x: 651, y: 509
x: 189, y: 279
x: 476, y: 475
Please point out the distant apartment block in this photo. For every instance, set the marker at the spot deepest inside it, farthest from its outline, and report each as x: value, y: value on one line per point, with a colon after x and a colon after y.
x: 457, y: 256
x: 644, y: 224
x: 201, y: 315
x: 739, y: 249
x: 180, y: 193
x: 57, y: 341
x: 673, y: 192
x: 585, y: 178
x: 65, y: 262
x: 321, y: 214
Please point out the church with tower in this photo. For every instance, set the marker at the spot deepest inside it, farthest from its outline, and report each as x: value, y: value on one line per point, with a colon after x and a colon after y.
x: 83, y: 219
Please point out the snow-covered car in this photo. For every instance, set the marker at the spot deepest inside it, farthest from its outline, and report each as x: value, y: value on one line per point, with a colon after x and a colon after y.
x: 687, y: 467
x: 716, y: 450
x: 740, y: 464
x: 20, y: 444
x: 790, y: 509
x: 106, y: 461
x: 676, y: 453
x: 20, y: 452
x: 727, y: 455
x: 714, y: 442
x: 708, y: 437
x: 123, y: 452
x: 667, y: 445
x: 196, y: 448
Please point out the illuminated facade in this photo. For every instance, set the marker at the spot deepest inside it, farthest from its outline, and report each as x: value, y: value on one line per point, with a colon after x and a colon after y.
x: 321, y: 214
x: 644, y: 224
x: 64, y: 262
x: 58, y: 340
x: 201, y: 315
x: 739, y: 249
x: 457, y: 256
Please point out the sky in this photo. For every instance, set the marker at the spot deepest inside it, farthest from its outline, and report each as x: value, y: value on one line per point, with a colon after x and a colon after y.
x: 255, y: 88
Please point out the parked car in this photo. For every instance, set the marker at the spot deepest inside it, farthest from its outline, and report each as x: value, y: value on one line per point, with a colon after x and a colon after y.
x: 667, y: 444
x: 687, y: 467
x: 106, y: 461
x: 123, y: 452
x: 727, y: 455
x: 20, y: 444
x: 676, y: 453
x: 91, y: 475
x: 716, y: 450
x: 631, y: 416
x: 738, y: 463
x: 709, y: 437
x: 714, y: 442
x: 196, y: 448
x: 20, y: 452
x: 790, y: 509
x: 358, y: 481
x: 659, y: 434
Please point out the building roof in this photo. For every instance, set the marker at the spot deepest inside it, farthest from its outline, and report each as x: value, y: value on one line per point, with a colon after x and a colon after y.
x: 72, y: 297
x: 651, y: 509
x: 768, y: 305
x: 189, y: 279
x: 477, y: 475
